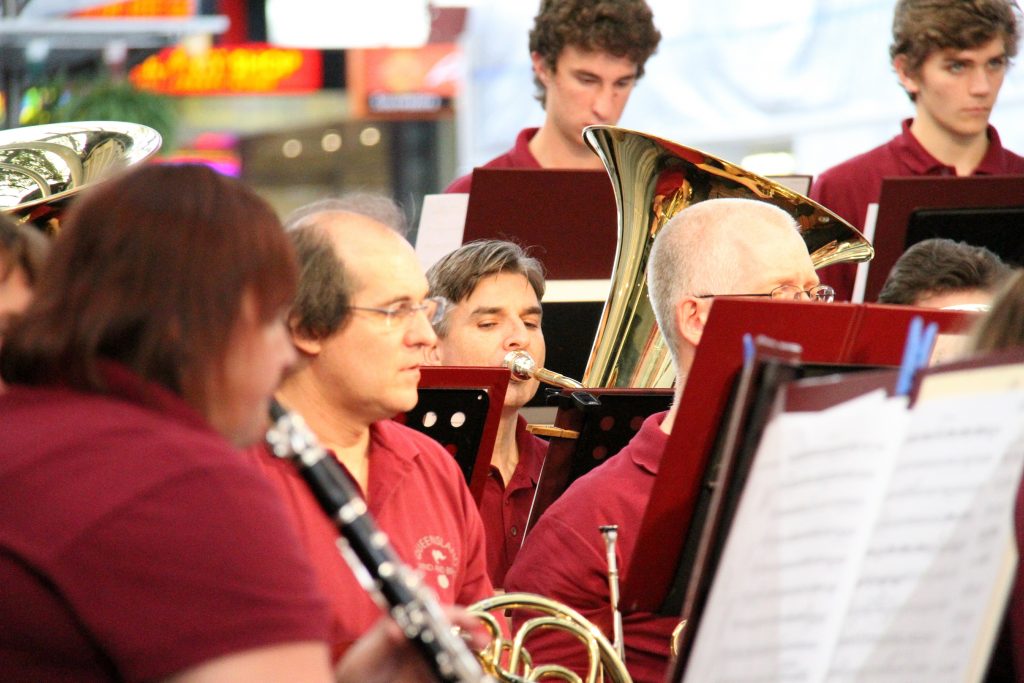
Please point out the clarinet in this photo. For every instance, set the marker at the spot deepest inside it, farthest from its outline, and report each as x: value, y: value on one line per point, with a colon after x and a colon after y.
x: 393, y: 584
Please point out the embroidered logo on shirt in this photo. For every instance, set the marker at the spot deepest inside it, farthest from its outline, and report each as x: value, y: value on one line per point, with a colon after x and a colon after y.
x: 438, y: 558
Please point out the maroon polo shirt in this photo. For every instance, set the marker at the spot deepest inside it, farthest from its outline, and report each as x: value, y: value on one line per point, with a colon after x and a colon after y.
x: 505, y: 509
x: 519, y: 156
x: 418, y: 497
x: 848, y: 188
x: 135, y: 542
x: 564, y: 557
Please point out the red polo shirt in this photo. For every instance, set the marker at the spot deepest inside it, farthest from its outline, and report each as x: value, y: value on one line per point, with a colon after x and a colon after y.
x: 848, y: 188
x: 519, y: 156
x: 505, y: 509
x: 417, y: 496
x: 135, y: 542
x: 564, y: 557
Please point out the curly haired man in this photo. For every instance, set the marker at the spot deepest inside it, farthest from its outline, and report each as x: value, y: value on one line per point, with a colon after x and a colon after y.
x: 587, y: 56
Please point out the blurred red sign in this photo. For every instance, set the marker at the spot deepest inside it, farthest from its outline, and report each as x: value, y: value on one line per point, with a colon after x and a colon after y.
x: 255, y: 68
x: 141, y: 8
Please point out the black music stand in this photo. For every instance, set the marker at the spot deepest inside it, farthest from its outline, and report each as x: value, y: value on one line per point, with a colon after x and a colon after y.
x: 985, y: 211
x: 591, y: 425
x: 460, y: 408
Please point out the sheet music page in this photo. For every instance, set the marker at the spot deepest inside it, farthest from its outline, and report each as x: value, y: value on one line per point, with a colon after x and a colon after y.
x: 442, y: 224
x: 860, y: 282
x: 936, y: 565
x: 796, y: 544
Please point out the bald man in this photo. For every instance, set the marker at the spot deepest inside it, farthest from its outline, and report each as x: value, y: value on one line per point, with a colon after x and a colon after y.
x: 720, y: 247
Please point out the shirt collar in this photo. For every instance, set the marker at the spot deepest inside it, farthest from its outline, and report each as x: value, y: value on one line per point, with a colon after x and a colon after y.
x: 648, y: 446
x: 919, y: 161
x: 125, y: 384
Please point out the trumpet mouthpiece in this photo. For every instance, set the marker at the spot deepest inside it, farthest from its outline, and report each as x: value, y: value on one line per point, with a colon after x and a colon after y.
x: 524, y: 367
x: 521, y: 364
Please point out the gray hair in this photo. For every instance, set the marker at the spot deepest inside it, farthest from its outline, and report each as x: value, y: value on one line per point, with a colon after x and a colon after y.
x: 325, y: 286
x: 457, y: 274
x: 380, y: 208
x: 696, y: 253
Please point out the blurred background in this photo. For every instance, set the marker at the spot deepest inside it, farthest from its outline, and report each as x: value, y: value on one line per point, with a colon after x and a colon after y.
x: 310, y: 98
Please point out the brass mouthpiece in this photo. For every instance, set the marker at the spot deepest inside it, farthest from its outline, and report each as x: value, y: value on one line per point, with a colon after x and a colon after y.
x: 524, y: 367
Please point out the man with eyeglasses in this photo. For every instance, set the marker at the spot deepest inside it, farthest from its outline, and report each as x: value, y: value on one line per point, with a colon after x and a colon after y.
x: 717, y: 248
x: 361, y: 321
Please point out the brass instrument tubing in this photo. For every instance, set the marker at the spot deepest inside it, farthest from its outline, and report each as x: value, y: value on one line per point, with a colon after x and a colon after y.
x: 610, y: 532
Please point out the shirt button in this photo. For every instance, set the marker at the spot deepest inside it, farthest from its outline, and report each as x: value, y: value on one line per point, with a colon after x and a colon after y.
x: 508, y: 502
x: 514, y: 531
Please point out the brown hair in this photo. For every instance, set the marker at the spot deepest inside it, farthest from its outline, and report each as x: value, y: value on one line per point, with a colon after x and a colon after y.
x: 623, y: 28
x: 149, y: 271
x: 457, y: 274
x: 920, y: 27
x: 939, y: 266
x: 325, y: 288
x: 1003, y: 326
x: 21, y: 246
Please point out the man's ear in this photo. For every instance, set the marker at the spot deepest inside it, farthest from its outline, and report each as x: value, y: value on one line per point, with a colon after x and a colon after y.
x: 907, y: 79
x: 691, y: 315
x: 540, y: 68
x: 307, y: 346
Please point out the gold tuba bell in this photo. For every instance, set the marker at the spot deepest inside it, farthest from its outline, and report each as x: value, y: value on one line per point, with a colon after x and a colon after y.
x: 42, y: 167
x: 653, y: 180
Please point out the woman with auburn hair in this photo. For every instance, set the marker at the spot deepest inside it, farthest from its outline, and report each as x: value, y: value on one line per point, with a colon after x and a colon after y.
x: 1003, y: 328
x: 136, y: 543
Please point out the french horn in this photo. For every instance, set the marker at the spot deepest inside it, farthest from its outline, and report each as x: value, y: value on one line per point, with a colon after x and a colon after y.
x: 42, y: 167
x: 653, y: 180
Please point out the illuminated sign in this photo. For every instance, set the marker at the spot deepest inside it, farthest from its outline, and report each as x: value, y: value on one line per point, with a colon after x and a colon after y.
x: 422, y: 79
x: 141, y: 8
x: 235, y: 70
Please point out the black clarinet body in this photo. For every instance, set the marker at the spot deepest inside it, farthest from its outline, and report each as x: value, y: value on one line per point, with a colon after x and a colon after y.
x: 392, y: 583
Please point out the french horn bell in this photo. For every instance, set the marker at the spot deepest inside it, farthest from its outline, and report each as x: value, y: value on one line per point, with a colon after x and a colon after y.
x: 653, y: 180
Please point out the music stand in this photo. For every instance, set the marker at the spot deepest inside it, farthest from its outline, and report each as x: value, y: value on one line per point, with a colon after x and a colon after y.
x: 460, y: 408
x: 865, y: 334
x: 566, y: 207
x: 984, y: 211
x: 591, y: 425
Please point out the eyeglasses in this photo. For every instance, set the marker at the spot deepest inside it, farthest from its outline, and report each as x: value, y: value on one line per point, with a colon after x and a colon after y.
x: 433, y: 308
x: 821, y: 293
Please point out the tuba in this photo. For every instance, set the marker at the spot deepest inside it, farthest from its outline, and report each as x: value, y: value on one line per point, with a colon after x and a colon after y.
x: 43, y: 167
x: 653, y: 180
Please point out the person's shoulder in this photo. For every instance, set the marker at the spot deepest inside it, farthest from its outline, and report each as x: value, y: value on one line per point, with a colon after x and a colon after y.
x: 431, y: 455
x: 519, y: 156
x: 860, y: 166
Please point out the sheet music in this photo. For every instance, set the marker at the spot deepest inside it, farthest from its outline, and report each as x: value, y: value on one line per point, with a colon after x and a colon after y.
x: 795, y: 547
x: 879, y: 555
x: 932, y: 561
x: 442, y: 224
x: 860, y: 282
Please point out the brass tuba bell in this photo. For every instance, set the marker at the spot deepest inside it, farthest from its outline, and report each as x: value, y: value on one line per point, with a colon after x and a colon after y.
x: 42, y: 167
x: 653, y: 180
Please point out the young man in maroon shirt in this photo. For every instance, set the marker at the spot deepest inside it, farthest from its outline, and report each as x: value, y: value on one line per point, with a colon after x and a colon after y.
x: 587, y: 55
x: 495, y: 289
x: 951, y: 57
x: 361, y: 321
x: 720, y: 247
